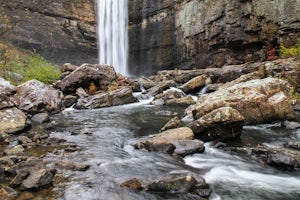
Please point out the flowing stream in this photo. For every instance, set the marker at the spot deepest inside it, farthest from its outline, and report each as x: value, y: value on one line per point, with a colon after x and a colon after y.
x: 106, y: 148
x: 112, y: 17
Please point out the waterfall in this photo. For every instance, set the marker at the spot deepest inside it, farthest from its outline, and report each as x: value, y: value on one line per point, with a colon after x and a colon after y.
x: 112, y: 17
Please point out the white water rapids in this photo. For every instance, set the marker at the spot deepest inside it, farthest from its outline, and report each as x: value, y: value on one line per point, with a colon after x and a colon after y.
x: 112, y: 159
x: 112, y: 17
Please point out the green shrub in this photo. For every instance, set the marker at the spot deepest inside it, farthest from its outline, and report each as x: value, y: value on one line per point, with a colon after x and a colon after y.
x: 293, y: 51
x: 38, y: 68
x: 26, y: 63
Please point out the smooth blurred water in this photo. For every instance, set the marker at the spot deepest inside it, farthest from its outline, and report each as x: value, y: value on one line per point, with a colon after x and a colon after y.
x: 113, y: 160
x: 112, y: 30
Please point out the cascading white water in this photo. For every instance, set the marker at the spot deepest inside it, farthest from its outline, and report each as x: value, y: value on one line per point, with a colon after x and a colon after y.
x: 113, y: 33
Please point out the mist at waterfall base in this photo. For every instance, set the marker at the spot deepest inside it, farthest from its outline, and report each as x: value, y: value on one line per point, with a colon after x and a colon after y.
x: 113, y: 160
x: 112, y: 30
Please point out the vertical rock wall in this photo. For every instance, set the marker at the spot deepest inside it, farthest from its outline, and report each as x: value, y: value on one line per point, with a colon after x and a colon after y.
x: 62, y: 31
x: 200, y: 33
x: 151, y: 35
x: 163, y: 34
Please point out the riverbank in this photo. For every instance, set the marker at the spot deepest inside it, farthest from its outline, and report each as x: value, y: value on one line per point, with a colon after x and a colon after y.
x: 255, y: 96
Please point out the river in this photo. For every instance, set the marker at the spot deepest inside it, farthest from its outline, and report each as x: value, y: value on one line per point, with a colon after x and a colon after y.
x: 104, y: 136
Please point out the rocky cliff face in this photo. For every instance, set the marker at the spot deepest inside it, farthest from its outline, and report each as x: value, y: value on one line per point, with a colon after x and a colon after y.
x: 62, y: 31
x: 163, y: 34
x: 200, y: 33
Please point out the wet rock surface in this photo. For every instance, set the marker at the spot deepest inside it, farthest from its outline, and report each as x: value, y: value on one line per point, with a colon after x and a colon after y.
x: 171, y: 186
x: 285, y: 158
x: 221, y: 124
x: 179, y: 141
x: 114, y: 98
x: 133, y: 184
x: 35, y: 97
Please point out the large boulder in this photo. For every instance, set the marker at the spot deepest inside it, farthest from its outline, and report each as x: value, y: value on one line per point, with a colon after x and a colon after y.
x: 194, y: 84
x: 179, y: 141
x: 258, y: 101
x: 12, y: 120
x: 220, y: 124
x: 118, y: 97
x: 35, y: 97
x: 101, y: 76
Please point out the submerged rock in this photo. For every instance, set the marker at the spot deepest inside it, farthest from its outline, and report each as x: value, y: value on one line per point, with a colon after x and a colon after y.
x: 72, y: 166
x: 180, y: 184
x: 35, y: 97
x: 40, y: 118
x: 177, y: 184
x: 133, y: 184
x: 293, y: 145
x: 290, y: 125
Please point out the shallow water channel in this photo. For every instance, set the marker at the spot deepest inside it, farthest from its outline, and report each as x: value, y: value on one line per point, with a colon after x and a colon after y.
x: 106, y: 148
